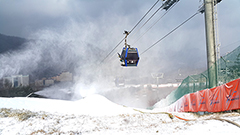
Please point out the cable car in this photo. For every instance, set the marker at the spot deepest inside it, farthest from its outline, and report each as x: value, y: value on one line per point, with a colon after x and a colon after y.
x: 129, y: 55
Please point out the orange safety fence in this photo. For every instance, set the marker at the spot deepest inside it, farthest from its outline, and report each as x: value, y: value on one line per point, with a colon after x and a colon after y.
x: 222, y: 98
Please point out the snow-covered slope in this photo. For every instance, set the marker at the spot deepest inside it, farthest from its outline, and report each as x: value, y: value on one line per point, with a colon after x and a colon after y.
x: 94, y: 105
x: 96, y: 115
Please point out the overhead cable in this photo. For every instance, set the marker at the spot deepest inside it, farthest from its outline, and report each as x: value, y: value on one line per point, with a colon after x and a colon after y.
x: 233, y: 43
x: 143, y: 17
x: 149, y: 18
x: 154, y: 24
x: 170, y: 32
x: 129, y: 32
x: 112, y: 50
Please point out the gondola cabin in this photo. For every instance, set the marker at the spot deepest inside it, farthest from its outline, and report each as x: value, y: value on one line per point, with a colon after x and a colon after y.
x: 129, y: 57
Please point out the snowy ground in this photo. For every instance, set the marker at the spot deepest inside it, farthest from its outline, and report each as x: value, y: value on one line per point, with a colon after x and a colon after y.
x: 95, y: 115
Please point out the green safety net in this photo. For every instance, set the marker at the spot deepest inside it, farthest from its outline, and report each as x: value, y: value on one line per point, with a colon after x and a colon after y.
x: 228, y: 69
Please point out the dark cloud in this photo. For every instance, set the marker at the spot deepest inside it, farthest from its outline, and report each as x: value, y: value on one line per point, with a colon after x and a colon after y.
x: 101, y: 24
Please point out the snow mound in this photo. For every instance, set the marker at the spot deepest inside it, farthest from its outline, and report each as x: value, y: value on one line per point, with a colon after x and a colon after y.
x: 94, y: 105
x: 100, y: 106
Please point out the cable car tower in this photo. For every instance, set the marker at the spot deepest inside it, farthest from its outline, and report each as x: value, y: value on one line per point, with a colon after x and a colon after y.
x: 217, y: 42
x: 212, y: 41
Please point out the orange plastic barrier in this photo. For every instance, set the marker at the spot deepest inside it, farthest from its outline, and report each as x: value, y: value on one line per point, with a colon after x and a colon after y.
x: 222, y: 98
x: 202, y: 100
x: 214, y: 100
x: 186, y: 102
x: 193, y: 102
x: 231, y: 93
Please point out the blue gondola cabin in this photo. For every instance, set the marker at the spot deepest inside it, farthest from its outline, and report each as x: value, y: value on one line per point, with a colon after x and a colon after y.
x: 129, y: 57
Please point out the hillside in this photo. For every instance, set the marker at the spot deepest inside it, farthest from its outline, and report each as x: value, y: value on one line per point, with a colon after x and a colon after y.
x: 10, y: 43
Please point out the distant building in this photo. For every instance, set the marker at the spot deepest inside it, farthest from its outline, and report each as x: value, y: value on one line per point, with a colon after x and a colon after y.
x: 56, y: 78
x: 16, y: 80
x: 38, y: 83
x: 48, y: 82
x: 64, y: 77
x: 44, y: 82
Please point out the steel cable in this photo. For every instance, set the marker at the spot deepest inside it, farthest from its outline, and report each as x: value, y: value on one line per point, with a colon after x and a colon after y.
x: 154, y: 24
x: 170, y: 32
x: 129, y: 32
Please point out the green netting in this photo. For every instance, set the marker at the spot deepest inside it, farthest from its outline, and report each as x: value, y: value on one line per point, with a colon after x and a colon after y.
x: 228, y: 69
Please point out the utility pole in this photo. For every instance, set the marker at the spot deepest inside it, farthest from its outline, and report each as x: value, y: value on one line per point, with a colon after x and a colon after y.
x: 210, y: 42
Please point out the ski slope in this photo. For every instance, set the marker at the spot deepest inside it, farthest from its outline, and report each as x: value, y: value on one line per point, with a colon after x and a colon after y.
x: 96, y: 115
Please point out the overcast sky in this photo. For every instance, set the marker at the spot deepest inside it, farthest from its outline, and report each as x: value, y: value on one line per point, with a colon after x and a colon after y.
x: 22, y: 17
x: 102, y: 22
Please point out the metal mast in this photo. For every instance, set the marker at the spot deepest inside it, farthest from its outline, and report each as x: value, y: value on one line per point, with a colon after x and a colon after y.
x: 217, y: 42
x: 210, y: 42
